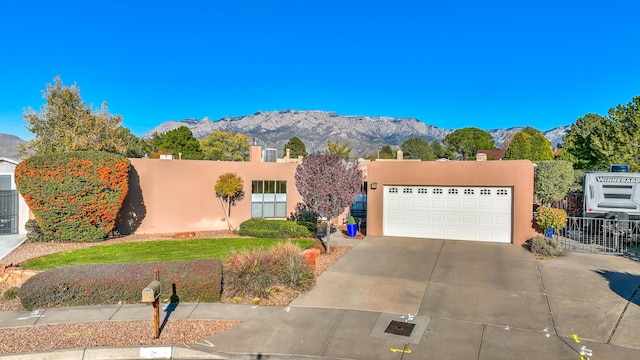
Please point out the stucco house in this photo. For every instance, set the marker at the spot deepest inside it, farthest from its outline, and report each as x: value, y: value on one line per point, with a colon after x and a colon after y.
x: 458, y: 200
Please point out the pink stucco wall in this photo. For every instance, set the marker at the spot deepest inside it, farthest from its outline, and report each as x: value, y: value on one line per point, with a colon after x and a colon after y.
x: 179, y: 195
x: 517, y: 174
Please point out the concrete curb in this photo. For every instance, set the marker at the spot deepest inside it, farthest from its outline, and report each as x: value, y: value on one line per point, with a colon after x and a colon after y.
x: 109, y: 353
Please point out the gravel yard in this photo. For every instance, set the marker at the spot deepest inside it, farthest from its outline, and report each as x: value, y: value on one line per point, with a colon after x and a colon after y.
x: 128, y: 333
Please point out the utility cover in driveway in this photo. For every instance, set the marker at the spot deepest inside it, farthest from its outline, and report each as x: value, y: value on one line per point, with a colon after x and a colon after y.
x: 451, y: 213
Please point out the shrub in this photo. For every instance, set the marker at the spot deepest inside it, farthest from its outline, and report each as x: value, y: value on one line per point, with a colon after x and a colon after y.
x: 303, y: 213
x: 544, y: 246
x: 256, y: 273
x: 34, y: 233
x: 75, y: 196
x: 311, y: 226
x: 291, y: 268
x: 98, y: 284
x: 11, y: 293
x: 258, y: 227
x: 247, y: 274
x: 548, y: 218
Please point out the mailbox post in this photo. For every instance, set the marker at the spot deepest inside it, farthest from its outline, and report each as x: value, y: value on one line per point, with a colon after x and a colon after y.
x: 151, y: 295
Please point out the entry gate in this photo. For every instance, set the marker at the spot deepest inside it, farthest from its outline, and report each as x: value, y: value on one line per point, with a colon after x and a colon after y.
x: 8, y: 212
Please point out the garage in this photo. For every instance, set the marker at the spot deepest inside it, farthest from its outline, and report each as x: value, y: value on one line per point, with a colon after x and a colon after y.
x: 448, y: 212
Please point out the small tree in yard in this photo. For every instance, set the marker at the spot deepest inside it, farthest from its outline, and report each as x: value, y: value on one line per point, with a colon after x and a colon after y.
x: 229, y: 190
x: 328, y: 184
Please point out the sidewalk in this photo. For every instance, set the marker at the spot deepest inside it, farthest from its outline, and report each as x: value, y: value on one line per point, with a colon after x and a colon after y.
x: 463, y: 299
x: 8, y: 243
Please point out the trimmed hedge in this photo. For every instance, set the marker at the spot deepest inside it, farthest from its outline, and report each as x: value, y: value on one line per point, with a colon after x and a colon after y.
x: 75, y: 196
x: 273, y: 229
x: 103, y: 284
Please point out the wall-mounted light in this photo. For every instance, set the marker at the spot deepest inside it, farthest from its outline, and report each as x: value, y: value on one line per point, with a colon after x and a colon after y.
x: 374, y: 185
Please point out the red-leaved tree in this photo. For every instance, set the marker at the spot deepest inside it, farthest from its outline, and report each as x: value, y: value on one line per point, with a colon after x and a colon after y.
x: 328, y: 184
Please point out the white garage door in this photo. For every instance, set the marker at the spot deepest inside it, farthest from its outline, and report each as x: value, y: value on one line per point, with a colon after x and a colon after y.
x: 452, y: 213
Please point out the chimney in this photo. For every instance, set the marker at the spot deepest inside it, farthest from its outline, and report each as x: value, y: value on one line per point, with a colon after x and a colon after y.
x: 255, y: 153
x: 287, y: 155
x: 399, y: 154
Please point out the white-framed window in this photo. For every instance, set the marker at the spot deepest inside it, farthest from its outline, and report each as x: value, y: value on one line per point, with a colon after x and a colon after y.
x: 393, y: 190
x: 452, y: 191
x: 6, y: 182
x: 269, y: 199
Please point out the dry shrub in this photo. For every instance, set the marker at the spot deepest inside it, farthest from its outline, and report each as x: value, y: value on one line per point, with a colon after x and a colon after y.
x: 255, y: 273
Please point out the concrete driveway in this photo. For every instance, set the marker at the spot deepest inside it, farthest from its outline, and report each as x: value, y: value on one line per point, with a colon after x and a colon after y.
x: 463, y: 299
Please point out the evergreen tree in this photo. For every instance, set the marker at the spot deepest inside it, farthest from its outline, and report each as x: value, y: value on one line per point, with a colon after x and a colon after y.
x: 417, y: 148
x: 180, y: 142
x: 296, y: 146
x: 520, y: 147
x: 467, y: 141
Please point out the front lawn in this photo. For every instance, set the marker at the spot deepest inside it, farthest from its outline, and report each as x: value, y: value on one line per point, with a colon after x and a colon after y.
x: 155, y: 251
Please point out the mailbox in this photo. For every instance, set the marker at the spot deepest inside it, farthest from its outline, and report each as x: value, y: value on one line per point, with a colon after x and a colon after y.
x: 151, y: 292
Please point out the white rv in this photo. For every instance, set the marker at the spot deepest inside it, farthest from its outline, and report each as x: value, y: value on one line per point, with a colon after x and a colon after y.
x: 615, y: 193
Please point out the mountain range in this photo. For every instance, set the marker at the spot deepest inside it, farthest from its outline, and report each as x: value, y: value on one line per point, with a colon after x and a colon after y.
x: 366, y: 134
x: 273, y: 129
x: 9, y: 146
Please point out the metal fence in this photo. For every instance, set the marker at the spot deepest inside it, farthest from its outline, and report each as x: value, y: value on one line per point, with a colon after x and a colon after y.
x: 602, y: 236
x: 8, y: 212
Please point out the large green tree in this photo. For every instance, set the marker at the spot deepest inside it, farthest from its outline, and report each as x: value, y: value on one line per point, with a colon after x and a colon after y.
x: 386, y: 152
x: 440, y: 151
x: 179, y: 142
x: 417, y: 148
x: 541, y: 148
x: 594, y: 142
x: 225, y: 146
x: 467, y: 141
x: 538, y: 149
x: 627, y: 118
x: 66, y: 123
x: 296, y: 146
x: 519, y: 147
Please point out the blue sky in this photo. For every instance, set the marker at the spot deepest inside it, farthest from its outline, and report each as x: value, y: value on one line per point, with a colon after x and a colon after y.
x: 488, y: 64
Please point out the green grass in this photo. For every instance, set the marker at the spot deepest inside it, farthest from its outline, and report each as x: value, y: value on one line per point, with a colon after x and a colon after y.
x: 152, y: 251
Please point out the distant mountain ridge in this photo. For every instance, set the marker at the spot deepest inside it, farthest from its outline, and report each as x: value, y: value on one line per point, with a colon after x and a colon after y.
x: 273, y: 129
x: 9, y: 146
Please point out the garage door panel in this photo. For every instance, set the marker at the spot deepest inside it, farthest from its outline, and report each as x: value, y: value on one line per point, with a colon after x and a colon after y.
x: 453, y: 204
x: 469, y: 219
x: 437, y: 204
x: 422, y: 204
x: 469, y: 205
x: 462, y: 213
